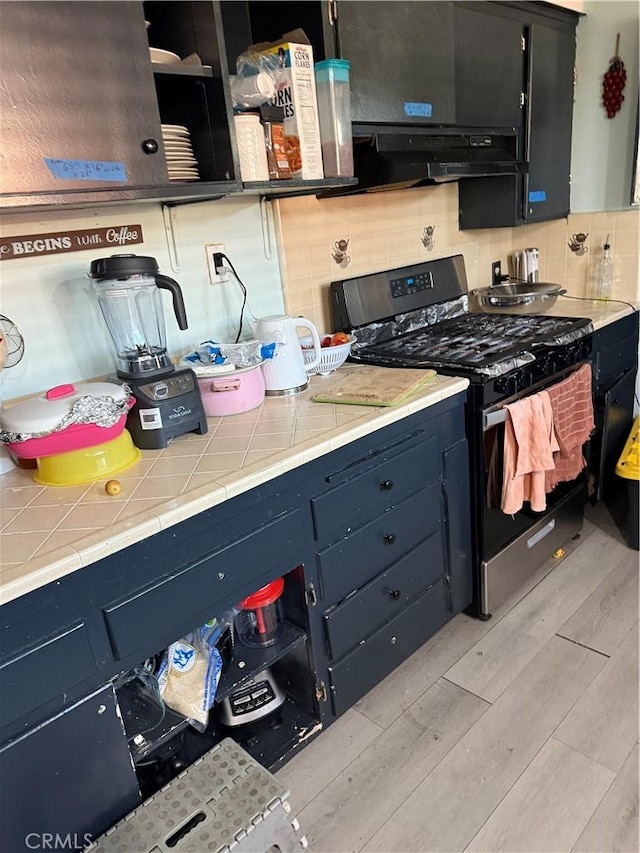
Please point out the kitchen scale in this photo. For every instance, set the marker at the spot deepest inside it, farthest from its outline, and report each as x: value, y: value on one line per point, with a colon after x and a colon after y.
x: 167, y: 400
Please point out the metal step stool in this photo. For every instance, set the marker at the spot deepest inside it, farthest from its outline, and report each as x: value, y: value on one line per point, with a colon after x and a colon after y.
x: 226, y: 801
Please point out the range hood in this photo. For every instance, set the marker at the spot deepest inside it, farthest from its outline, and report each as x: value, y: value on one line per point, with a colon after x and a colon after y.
x: 393, y: 158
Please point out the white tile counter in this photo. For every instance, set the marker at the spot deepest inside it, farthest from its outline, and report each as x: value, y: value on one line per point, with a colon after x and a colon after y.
x: 48, y: 532
x: 600, y: 312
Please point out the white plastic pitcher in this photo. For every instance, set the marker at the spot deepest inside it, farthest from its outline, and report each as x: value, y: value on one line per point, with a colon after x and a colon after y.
x: 286, y: 372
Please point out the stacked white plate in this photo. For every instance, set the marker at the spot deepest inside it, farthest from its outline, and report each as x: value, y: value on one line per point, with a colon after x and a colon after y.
x: 181, y: 161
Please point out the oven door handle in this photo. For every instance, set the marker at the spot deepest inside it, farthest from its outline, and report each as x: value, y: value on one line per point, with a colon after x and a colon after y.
x: 493, y: 418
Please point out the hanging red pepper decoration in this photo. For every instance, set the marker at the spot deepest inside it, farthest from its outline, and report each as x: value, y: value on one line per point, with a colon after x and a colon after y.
x: 613, y: 83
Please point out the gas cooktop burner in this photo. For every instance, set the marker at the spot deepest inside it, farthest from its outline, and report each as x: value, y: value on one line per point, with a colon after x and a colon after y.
x: 477, y: 341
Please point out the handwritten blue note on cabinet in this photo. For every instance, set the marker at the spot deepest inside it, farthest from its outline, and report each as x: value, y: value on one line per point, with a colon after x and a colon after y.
x: 86, y: 170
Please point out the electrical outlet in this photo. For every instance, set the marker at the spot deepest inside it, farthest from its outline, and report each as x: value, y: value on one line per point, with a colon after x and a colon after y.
x: 215, y: 277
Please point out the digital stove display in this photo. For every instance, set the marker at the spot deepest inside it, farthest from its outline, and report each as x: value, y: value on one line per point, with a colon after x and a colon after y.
x: 411, y: 284
x: 477, y: 340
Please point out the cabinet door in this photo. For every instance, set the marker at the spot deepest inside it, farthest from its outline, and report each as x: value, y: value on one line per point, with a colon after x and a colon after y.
x: 71, y: 778
x: 402, y: 63
x: 617, y: 420
x: 551, y: 61
x: 489, y: 67
x: 77, y: 99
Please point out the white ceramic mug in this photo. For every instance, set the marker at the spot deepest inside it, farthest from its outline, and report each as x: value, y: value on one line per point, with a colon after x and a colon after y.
x: 286, y: 372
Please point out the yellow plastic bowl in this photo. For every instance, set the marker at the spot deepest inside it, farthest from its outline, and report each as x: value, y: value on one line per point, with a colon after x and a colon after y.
x: 91, y: 463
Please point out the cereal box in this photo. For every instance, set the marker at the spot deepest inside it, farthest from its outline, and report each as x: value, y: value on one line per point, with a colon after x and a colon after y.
x: 296, y: 94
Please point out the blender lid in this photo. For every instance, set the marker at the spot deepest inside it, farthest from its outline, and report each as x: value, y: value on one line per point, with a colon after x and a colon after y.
x: 121, y: 266
x: 264, y: 596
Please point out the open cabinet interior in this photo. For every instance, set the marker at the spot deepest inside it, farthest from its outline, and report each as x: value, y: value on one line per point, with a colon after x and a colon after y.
x: 192, y: 94
x: 265, y: 698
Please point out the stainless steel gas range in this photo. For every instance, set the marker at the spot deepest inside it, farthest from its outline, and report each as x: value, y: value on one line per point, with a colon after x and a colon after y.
x: 418, y: 316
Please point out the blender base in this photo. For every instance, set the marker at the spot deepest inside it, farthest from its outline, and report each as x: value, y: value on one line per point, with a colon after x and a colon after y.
x: 166, y: 405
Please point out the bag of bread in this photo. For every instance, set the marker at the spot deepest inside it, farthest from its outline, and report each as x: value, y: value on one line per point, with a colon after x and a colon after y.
x: 189, y: 674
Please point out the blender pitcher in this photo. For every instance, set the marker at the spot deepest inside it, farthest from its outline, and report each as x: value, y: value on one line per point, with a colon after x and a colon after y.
x: 128, y: 292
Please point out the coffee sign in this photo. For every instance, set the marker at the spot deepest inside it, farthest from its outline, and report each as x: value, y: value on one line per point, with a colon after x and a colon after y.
x: 58, y: 242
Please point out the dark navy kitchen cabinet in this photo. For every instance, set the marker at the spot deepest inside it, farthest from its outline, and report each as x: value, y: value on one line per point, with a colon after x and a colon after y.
x: 546, y: 57
x: 97, y: 105
x: 615, y: 365
x: 82, y: 104
x: 372, y: 541
x: 393, y: 560
x: 70, y: 778
x: 402, y: 61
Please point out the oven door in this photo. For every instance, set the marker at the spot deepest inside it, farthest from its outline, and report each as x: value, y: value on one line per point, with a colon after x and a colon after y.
x: 512, y: 547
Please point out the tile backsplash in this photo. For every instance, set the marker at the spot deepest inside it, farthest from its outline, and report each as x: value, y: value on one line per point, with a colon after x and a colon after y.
x: 393, y: 229
x: 317, y: 241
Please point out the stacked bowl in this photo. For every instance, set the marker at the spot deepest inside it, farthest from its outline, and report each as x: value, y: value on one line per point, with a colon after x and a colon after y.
x: 75, y: 433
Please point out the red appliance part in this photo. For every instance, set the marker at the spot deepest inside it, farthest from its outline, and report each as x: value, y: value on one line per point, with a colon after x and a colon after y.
x: 262, y: 598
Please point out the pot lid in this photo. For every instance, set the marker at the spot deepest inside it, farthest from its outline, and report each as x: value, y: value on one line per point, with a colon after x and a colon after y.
x: 45, y: 412
x: 211, y: 371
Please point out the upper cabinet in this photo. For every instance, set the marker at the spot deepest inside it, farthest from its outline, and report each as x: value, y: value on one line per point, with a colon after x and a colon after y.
x: 489, y: 67
x: 82, y: 103
x: 401, y: 53
x: 402, y: 61
x: 547, y: 81
x: 482, y: 88
x: 77, y: 101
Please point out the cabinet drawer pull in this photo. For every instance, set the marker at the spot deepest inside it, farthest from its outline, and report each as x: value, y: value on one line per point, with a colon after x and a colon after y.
x: 389, y: 537
x: 394, y: 594
x: 386, y: 485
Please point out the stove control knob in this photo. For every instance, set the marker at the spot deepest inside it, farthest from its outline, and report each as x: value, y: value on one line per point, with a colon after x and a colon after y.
x: 548, y: 365
x: 519, y: 381
x: 505, y: 385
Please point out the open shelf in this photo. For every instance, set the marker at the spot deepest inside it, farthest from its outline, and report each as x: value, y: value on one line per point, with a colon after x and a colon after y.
x: 171, y: 724
x: 182, y: 70
x: 271, y: 741
x: 295, y: 186
x: 248, y: 662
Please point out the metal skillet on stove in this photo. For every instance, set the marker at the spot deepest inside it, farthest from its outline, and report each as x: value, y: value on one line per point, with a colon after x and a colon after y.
x: 515, y: 297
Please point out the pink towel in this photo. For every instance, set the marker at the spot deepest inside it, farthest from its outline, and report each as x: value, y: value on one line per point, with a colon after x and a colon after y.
x: 572, y: 405
x: 529, y: 445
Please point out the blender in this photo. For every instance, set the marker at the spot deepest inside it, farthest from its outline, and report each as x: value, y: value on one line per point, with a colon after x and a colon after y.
x: 167, y: 401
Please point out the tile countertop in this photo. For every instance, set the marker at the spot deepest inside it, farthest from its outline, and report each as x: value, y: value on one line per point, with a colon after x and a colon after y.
x: 600, y: 312
x: 48, y: 532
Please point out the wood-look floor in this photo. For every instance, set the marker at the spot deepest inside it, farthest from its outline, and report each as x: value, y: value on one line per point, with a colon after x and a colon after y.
x: 516, y: 734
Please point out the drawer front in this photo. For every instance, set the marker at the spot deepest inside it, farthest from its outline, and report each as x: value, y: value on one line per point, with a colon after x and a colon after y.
x: 379, y: 601
x: 361, y: 670
x: 138, y: 622
x: 371, y: 487
x: 358, y: 558
x: 35, y: 676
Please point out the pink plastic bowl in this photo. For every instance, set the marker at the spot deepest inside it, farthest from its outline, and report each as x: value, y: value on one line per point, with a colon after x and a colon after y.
x: 74, y: 437
x: 232, y: 393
